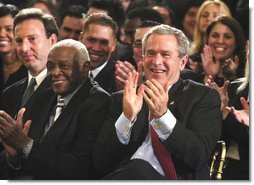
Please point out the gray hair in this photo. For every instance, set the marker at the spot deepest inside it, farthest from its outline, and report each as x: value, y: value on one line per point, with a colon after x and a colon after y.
x: 82, y: 52
x: 182, y: 41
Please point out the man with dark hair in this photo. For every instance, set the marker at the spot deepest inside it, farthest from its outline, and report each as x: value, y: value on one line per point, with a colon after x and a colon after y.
x: 99, y: 36
x: 134, y: 17
x: 72, y: 22
x: 35, y: 33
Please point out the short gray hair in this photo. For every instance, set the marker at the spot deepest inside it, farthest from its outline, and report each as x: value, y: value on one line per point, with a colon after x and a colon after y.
x: 182, y: 41
x: 81, y: 49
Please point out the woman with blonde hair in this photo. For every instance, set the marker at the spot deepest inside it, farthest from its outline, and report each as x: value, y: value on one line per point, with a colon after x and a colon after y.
x: 208, y: 11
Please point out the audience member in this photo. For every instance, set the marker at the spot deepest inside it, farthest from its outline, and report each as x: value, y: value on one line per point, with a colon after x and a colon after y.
x: 133, y: 19
x: 46, y: 6
x: 99, y: 36
x: 235, y: 129
x: 166, y: 12
x: 224, y: 56
x: 115, y: 10
x: 11, y: 68
x: 189, y: 131
x: 188, y: 18
x: 60, y: 149
x: 208, y: 11
x: 72, y: 22
x: 35, y: 33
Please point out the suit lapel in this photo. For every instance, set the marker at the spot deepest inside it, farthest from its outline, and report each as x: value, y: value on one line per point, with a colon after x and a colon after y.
x: 55, y: 133
x: 45, y: 109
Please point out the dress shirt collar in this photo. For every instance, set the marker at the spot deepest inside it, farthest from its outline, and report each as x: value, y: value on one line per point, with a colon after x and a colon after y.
x: 39, y: 78
x: 96, y: 71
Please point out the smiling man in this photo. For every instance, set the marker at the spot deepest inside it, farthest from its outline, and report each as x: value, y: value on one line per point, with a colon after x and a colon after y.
x: 57, y: 147
x: 182, y: 117
x: 99, y: 36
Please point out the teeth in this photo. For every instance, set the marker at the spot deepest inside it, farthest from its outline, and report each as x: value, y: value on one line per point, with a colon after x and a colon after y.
x: 219, y: 49
x: 94, y: 56
x: 58, y: 82
x: 157, y: 71
x: 4, y: 42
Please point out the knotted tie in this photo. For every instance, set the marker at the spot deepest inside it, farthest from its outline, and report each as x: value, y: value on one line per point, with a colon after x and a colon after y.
x: 29, y: 91
x: 162, y: 154
x: 59, y: 106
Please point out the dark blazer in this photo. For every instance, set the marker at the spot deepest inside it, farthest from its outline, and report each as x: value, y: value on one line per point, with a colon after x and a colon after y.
x: 197, y: 130
x: 232, y: 130
x: 65, y: 152
x: 106, y: 77
x: 12, y: 95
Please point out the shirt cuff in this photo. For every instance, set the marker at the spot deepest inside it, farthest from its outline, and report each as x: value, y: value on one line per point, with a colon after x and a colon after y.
x: 123, y: 128
x: 27, y: 149
x: 164, y: 125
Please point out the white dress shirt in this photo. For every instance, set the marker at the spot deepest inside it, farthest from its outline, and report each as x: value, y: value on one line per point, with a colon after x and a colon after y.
x: 163, y: 127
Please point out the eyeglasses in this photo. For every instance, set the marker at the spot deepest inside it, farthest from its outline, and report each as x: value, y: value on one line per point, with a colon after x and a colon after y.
x: 137, y: 44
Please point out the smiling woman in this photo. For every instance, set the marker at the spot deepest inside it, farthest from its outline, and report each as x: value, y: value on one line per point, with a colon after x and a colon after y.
x: 11, y: 69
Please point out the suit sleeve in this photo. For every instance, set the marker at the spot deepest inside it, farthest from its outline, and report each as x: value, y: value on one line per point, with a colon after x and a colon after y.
x: 195, y: 135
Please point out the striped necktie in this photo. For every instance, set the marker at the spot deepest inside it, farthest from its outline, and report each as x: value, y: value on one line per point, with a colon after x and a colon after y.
x: 59, y: 106
x: 162, y: 154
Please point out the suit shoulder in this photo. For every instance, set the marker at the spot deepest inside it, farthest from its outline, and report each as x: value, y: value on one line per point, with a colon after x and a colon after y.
x: 15, y: 86
x: 198, y: 88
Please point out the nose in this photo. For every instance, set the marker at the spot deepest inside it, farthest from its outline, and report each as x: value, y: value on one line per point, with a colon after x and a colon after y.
x: 157, y: 59
x: 55, y: 70
x: 96, y: 46
x: 220, y: 39
x: 25, y: 46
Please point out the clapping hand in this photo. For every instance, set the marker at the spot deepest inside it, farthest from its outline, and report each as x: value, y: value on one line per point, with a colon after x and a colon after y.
x: 242, y: 116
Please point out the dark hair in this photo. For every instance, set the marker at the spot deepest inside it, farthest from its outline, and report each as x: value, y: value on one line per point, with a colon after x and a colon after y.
x: 145, y: 14
x: 170, y: 10
x: 8, y: 9
x: 113, y: 7
x: 48, y: 21
x: 147, y: 23
x: 52, y: 8
x: 101, y: 19
x: 77, y: 11
x: 240, y: 40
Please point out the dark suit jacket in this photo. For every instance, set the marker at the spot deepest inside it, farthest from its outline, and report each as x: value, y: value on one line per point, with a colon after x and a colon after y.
x: 12, y: 95
x: 197, y: 130
x: 106, y: 77
x: 65, y: 152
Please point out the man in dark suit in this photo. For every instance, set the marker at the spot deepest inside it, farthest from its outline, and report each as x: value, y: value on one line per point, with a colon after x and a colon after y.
x: 60, y: 149
x: 99, y: 36
x: 185, y: 115
x: 35, y: 33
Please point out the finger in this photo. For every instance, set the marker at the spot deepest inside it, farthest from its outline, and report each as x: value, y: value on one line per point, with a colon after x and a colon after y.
x: 8, y: 119
x: 27, y: 127
x: 140, y: 67
x: 20, y: 117
x: 147, y: 99
x: 244, y: 103
x: 128, y: 66
x: 226, y: 85
x: 155, y: 87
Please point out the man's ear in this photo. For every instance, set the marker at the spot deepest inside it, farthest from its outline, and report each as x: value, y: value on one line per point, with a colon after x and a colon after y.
x: 53, y: 39
x: 183, y: 62
x: 86, y: 67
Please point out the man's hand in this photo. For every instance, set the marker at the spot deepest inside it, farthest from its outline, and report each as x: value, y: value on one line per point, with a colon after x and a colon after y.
x: 132, y: 100
x: 13, y: 133
x: 156, y: 97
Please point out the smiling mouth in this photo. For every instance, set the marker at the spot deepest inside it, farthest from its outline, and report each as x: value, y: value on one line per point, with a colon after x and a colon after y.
x: 158, y: 70
x: 57, y: 82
